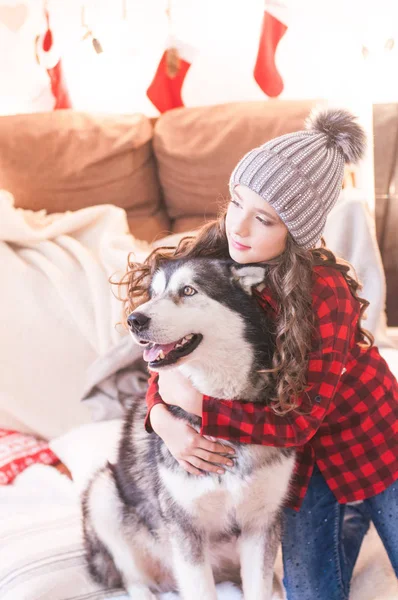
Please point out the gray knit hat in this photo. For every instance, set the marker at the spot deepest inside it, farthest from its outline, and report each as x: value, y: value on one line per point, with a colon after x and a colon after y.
x: 301, y: 174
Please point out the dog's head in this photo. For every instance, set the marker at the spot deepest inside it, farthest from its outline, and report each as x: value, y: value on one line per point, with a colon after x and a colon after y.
x: 202, y: 310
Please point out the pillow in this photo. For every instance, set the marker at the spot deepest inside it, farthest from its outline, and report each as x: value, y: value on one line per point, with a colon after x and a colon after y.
x: 67, y: 160
x: 87, y: 448
x: 19, y: 451
x: 43, y: 557
x: 197, y: 148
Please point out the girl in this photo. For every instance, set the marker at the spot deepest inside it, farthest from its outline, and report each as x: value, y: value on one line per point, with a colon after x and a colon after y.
x: 336, y: 400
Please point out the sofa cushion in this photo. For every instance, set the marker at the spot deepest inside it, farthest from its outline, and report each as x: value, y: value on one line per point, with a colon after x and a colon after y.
x: 67, y: 160
x: 197, y: 148
x: 184, y: 224
x: 149, y: 227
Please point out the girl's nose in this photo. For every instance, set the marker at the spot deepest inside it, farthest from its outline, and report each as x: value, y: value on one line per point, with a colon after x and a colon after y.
x: 241, y: 227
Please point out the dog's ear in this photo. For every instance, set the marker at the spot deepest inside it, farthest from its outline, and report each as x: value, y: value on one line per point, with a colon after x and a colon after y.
x: 248, y: 276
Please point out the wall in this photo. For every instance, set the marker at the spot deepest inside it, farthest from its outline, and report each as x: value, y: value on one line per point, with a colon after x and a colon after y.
x: 320, y: 55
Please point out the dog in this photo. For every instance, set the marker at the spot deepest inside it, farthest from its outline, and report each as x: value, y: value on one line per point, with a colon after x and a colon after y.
x: 148, y: 524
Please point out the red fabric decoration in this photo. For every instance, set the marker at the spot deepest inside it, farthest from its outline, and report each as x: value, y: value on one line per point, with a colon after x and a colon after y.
x: 265, y: 71
x: 165, y: 90
x: 18, y: 451
x: 54, y: 70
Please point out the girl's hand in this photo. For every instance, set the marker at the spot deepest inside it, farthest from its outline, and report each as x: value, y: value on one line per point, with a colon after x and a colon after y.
x: 192, y: 451
x: 176, y: 389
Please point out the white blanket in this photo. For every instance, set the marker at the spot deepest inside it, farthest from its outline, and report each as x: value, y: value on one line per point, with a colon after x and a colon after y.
x: 58, y: 313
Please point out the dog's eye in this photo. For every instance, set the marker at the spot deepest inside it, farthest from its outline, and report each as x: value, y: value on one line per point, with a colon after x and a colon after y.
x: 188, y: 291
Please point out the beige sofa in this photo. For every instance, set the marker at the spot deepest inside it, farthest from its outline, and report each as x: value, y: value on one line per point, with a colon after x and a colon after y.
x: 168, y: 175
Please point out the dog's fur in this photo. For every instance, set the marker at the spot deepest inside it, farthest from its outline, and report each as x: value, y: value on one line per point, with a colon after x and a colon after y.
x: 148, y: 524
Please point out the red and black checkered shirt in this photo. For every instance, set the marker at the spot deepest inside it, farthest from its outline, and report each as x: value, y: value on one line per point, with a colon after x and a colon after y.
x: 347, y: 419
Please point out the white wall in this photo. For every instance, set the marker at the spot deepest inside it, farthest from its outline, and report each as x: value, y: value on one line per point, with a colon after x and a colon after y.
x: 320, y: 55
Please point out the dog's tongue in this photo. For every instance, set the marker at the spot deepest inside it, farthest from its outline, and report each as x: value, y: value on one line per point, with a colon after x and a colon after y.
x: 150, y: 354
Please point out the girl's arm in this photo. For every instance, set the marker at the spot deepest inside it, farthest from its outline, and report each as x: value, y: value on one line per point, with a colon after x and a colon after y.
x: 194, y: 452
x: 253, y: 423
x: 170, y: 387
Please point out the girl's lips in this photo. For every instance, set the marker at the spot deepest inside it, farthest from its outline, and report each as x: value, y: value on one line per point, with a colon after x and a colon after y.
x: 239, y: 246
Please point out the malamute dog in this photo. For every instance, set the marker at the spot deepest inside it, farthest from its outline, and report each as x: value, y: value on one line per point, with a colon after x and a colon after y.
x: 148, y: 524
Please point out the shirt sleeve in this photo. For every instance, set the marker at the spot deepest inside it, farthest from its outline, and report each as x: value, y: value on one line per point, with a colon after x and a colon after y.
x: 152, y: 398
x: 252, y: 423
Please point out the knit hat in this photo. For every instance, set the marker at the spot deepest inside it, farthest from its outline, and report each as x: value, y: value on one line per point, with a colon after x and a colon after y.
x: 301, y: 174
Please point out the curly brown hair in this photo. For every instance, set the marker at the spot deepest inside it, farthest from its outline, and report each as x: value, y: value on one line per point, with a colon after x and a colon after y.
x: 289, y: 281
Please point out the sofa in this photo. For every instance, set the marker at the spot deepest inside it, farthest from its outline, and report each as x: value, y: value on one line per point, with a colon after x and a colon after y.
x: 166, y: 174
x: 83, y: 191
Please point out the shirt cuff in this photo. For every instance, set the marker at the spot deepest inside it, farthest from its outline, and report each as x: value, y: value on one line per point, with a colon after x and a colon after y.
x: 147, y: 422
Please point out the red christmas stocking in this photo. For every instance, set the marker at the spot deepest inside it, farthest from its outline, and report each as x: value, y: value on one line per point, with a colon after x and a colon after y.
x: 165, y: 90
x: 53, y: 66
x: 265, y: 71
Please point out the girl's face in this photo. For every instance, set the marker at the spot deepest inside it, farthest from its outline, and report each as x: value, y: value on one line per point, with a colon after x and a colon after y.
x: 254, y: 230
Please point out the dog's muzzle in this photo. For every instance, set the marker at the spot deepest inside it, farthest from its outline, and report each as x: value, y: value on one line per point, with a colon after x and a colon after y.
x: 137, y: 322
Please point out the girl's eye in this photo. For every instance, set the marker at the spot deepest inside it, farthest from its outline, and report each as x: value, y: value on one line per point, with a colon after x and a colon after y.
x: 188, y: 291
x: 264, y: 222
x: 235, y: 203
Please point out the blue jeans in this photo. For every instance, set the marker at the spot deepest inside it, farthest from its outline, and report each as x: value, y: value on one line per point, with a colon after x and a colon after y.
x: 321, y: 542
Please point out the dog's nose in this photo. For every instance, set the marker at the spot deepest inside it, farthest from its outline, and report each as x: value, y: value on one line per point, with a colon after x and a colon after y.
x: 137, y: 321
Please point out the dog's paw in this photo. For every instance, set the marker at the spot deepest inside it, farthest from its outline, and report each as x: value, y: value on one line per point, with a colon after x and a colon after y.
x: 140, y: 592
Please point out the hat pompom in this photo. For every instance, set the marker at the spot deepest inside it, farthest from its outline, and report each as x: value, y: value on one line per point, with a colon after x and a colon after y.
x: 342, y: 130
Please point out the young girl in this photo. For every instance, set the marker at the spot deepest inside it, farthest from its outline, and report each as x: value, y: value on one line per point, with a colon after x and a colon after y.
x: 336, y: 400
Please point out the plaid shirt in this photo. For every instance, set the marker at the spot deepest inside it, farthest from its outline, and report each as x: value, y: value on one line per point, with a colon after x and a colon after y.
x: 347, y: 419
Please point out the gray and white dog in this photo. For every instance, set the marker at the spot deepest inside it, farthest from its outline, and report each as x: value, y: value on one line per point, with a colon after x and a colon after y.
x: 148, y: 524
